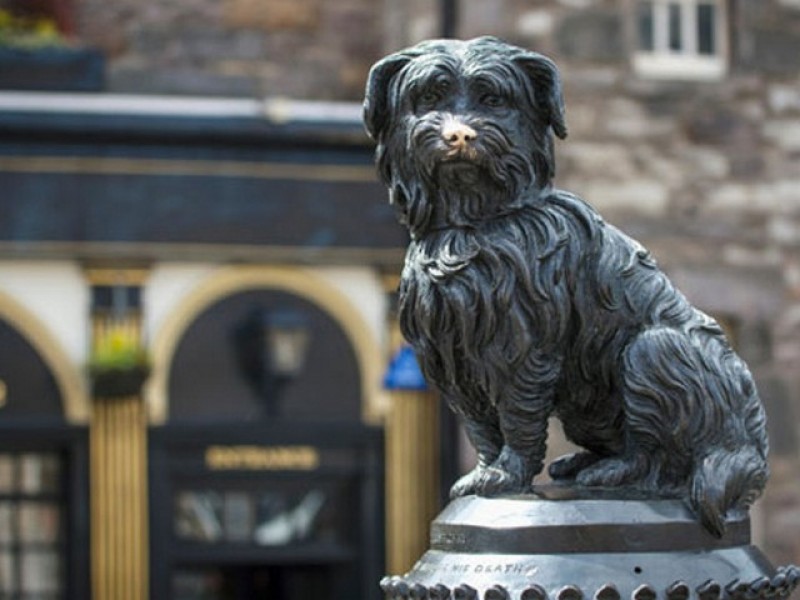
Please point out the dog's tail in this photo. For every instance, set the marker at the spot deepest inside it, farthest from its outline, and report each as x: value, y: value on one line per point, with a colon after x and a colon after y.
x: 727, y: 480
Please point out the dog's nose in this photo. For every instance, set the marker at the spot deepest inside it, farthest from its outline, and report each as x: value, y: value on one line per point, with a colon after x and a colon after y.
x: 457, y: 134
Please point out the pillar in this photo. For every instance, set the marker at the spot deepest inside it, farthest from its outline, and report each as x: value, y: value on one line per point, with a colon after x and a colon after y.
x: 118, y: 444
x: 412, y: 462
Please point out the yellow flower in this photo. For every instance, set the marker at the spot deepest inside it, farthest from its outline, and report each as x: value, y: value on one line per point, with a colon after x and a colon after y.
x: 118, y: 347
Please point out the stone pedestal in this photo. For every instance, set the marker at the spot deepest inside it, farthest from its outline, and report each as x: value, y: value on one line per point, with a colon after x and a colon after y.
x: 562, y: 543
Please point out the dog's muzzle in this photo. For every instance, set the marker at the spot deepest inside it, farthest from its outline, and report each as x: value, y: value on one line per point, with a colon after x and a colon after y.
x: 456, y: 134
x: 459, y: 138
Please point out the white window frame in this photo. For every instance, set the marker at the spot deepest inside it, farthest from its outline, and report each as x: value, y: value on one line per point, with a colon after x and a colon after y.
x: 687, y: 63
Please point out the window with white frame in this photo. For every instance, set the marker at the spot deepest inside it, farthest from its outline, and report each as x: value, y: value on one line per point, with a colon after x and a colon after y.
x: 680, y: 39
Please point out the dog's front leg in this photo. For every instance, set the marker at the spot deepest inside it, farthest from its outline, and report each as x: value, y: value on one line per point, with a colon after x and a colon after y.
x: 523, y: 414
x: 484, y: 433
x: 522, y: 456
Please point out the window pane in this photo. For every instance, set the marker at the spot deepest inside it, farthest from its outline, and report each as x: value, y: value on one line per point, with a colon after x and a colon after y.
x: 675, y: 28
x: 40, y: 571
x: 645, y: 26
x: 39, y: 473
x: 706, y: 42
x: 7, y: 527
x: 38, y: 522
x: 7, y: 483
x: 198, y: 516
x: 8, y: 574
x: 239, y: 517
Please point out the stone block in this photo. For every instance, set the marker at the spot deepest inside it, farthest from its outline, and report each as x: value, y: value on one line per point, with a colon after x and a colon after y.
x: 785, y: 134
x: 477, y: 18
x: 781, y: 197
x: 602, y: 160
x: 578, y: 3
x: 637, y: 126
x: 716, y: 124
x: 592, y: 35
x: 272, y: 15
x: 784, y: 98
x: 729, y: 197
x: 753, y: 341
x: 592, y: 80
x: 774, y: 51
x: 535, y: 23
x: 643, y: 197
x: 738, y: 255
x: 749, y: 292
x: 783, y: 231
x: 746, y: 161
x: 706, y: 162
x: 784, y: 192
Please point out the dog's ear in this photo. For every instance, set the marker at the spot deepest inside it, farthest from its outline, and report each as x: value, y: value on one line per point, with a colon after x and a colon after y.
x: 376, y: 99
x: 546, y: 85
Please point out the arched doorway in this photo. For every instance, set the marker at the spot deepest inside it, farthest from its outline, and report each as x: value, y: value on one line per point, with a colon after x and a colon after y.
x: 43, y: 472
x: 265, y: 480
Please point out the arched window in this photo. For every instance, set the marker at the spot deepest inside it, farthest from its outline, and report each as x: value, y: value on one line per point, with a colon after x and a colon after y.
x: 38, y: 473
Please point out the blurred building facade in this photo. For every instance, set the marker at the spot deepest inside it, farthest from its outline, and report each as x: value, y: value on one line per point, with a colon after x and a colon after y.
x: 210, y: 196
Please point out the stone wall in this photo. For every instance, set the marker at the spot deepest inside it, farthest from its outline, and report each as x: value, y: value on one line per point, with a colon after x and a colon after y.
x: 255, y: 48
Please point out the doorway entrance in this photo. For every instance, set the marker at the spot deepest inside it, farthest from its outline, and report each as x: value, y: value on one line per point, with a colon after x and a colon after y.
x: 266, y: 511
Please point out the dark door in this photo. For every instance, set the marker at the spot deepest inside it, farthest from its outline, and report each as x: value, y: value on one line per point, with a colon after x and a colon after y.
x: 285, y: 512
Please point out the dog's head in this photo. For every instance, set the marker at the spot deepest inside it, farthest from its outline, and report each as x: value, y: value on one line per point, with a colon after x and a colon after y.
x: 471, y: 122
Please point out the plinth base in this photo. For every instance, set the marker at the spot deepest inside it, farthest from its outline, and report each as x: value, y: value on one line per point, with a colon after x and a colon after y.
x: 565, y: 544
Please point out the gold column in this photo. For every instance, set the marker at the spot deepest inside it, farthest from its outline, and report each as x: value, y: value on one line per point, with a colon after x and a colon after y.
x: 118, y: 465
x: 412, y: 475
x: 118, y: 438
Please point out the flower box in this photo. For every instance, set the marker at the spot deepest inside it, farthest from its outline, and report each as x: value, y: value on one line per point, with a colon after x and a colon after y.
x: 118, y: 382
x: 52, y: 68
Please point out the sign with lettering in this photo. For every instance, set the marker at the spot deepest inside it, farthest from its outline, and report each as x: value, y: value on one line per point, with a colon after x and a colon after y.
x: 262, y: 458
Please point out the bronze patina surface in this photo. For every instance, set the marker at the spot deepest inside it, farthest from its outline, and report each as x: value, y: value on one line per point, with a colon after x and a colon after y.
x: 522, y: 303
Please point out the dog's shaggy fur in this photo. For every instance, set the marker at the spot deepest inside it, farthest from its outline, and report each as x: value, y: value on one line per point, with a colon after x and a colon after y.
x: 521, y: 302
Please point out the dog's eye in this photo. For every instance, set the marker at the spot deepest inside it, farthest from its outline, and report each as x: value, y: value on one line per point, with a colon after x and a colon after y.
x: 493, y: 100
x: 429, y: 98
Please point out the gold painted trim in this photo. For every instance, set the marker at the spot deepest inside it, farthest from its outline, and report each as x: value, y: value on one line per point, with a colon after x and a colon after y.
x: 296, y: 281
x: 109, y: 276
x: 102, y: 165
x: 118, y: 500
x: 70, y: 383
x: 412, y: 476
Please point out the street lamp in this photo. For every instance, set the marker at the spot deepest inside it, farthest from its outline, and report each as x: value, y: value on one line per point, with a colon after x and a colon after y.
x: 271, y: 347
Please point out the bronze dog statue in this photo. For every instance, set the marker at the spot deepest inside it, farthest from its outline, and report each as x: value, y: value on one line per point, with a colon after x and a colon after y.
x: 521, y: 302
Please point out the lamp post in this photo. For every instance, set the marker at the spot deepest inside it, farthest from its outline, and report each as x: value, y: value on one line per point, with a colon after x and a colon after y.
x: 271, y: 347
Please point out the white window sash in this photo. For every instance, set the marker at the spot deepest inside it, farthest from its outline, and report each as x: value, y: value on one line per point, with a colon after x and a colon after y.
x: 689, y: 23
x: 685, y: 63
x: 660, y: 27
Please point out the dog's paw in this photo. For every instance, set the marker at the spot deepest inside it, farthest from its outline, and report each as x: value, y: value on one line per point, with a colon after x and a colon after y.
x: 568, y: 466
x: 612, y: 472
x: 508, y: 474
x: 498, y: 482
x: 468, y: 484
